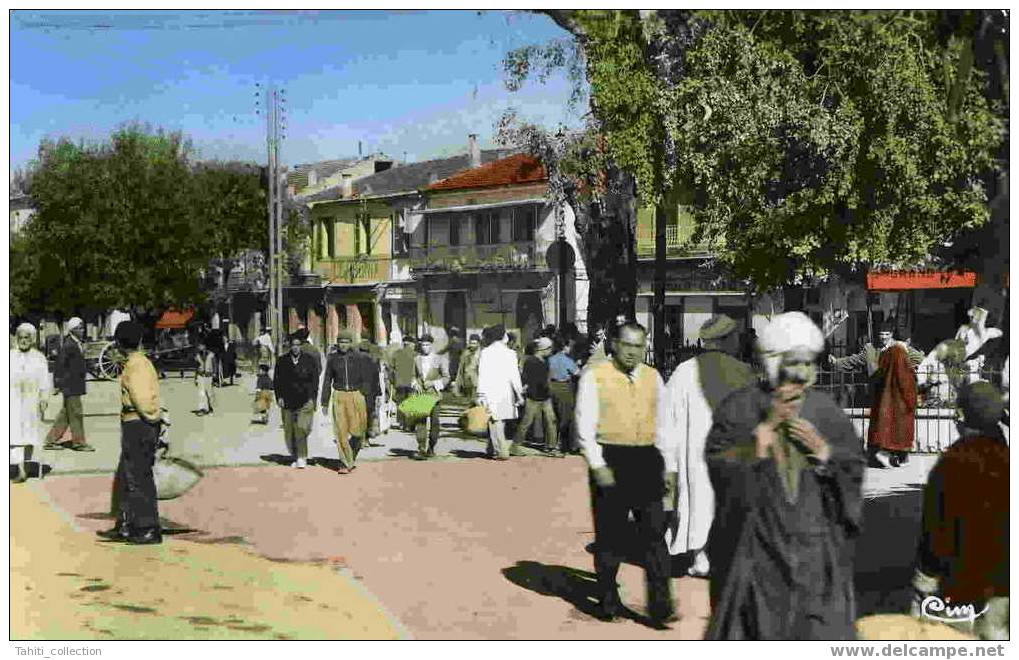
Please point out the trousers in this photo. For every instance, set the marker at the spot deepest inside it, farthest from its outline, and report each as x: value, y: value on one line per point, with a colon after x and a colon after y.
x: 135, y: 488
x: 543, y: 413
x: 639, y: 488
x: 427, y: 431
x: 206, y: 395
x: 297, y: 427
x: 564, y: 399
x: 71, y: 416
x: 350, y: 418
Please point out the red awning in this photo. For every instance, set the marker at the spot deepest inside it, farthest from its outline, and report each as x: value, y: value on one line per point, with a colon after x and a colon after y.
x: 175, y: 318
x: 906, y: 280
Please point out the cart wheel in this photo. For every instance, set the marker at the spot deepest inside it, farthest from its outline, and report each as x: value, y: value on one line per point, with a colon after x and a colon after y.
x: 110, y: 361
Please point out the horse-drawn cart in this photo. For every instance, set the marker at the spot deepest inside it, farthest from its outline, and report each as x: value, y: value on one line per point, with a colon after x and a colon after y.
x: 171, y: 352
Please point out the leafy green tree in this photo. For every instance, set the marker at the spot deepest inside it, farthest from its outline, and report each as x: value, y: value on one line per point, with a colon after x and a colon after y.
x: 130, y: 222
x: 807, y: 142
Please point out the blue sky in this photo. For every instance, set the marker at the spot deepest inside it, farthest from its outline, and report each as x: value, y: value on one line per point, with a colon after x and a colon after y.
x: 415, y: 82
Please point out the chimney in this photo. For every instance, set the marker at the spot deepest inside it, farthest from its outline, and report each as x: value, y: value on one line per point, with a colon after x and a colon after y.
x: 473, y: 150
x: 347, y: 185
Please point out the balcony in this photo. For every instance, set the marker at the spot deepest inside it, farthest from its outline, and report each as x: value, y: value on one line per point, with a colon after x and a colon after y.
x: 477, y: 258
x: 354, y: 270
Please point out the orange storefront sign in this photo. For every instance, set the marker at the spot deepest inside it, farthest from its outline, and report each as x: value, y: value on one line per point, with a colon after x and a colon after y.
x: 906, y: 280
x: 175, y: 318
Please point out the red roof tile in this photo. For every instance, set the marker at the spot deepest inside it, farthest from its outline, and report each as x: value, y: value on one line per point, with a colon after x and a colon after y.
x: 516, y: 169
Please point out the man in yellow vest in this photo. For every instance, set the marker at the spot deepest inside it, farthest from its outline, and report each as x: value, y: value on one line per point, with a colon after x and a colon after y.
x: 620, y: 417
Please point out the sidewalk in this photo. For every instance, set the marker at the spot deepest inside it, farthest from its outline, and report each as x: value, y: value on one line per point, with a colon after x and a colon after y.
x: 67, y: 585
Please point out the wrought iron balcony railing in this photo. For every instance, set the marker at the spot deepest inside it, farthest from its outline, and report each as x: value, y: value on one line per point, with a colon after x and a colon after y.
x: 677, y: 241
x: 355, y: 270
x: 447, y: 258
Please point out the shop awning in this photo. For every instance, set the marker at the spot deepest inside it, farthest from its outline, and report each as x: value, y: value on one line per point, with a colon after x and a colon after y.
x: 175, y: 318
x: 910, y: 280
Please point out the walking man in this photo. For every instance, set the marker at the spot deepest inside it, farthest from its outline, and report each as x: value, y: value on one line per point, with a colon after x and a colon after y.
x: 467, y: 372
x: 295, y: 383
x: 537, y: 400
x: 265, y: 348
x: 206, y: 368
x: 786, y: 467
x: 401, y: 367
x: 431, y: 372
x: 69, y: 375
x: 141, y: 419
x: 563, y: 372
x: 499, y: 388
x: 350, y: 383
x: 695, y: 390
x: 30, y: 385
x: 891, y: 369
x: 620, y: 418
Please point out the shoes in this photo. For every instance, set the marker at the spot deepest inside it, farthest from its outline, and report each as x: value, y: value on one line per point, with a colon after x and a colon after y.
x: 54, y: 446
x: 609, y: 608
x: 662, y: 618
x: 516, y: 451
x: 554, y: 453
x: 83, y: 448
x: 300, y: 463
x: 343, y: 470
x: 421, y: 456
x: 500, y: 458
x: 700, y: 568
x: 149, y: 537
x: 115, y: 534
x: 22, y: 475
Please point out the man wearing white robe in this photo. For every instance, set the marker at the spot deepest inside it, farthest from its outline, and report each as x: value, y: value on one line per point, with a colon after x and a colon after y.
x: 695, y: 388
x: 499, y: 388
x: 30, y: 385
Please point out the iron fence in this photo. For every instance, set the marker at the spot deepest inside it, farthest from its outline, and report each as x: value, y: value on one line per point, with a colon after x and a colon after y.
x: 937, y: 390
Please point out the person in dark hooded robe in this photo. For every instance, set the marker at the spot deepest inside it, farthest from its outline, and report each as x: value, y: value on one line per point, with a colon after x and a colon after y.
x: 787, y: 468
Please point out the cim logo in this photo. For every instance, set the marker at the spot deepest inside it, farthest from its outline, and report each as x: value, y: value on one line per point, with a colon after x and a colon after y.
x: 936, y: 609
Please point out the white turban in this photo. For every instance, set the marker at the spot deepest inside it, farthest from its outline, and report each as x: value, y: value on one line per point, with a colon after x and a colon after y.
x: 789, y: 332
x: 792, y: 331
x: 25, y: 327
x: 74, y: 322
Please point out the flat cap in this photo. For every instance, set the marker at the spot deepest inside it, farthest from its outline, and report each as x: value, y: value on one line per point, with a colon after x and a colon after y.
x: 717, y: 327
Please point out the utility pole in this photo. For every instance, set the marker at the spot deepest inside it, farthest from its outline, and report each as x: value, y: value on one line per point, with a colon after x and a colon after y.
x: 275, y: 132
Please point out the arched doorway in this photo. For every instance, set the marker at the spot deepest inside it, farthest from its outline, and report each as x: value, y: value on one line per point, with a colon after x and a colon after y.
x: 454, y: 311
x: 528, y: 315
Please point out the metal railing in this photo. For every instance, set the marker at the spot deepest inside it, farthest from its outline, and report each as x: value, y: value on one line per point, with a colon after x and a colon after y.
x: 355, y: 270
x: 676, y: 241
x: 937, y: 389
x: 515, y: 256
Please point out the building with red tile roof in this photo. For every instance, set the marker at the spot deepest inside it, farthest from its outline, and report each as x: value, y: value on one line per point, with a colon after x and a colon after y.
x: 515, y: 170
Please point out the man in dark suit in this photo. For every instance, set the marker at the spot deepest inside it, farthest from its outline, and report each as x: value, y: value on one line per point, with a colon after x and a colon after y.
x: 69, y: 374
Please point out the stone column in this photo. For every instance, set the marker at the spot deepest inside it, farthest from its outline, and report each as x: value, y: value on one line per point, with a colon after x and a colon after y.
x: 332, y: 323
x: 314, y: 325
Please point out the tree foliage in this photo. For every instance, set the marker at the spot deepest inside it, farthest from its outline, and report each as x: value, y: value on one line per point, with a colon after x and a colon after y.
x: 805, y: 142
x: 130, y: 222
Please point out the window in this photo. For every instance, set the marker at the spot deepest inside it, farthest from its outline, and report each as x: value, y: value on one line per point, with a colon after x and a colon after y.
x: 401, y: 239
x: 525, y: 221
x: 486, y: 228
x: 454, y: 230
x: 330, y: 238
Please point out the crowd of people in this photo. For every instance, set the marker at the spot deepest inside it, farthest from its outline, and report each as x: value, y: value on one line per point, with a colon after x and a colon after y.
x: 752, y: 474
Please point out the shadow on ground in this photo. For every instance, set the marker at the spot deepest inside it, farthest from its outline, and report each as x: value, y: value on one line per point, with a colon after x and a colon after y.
x: 578, y: 588
x: 886, y: 550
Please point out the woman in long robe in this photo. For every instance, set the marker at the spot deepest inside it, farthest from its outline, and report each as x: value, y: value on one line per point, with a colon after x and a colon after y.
x: 781, y: 545
x: 30, y: 385
x: 893, y: 412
